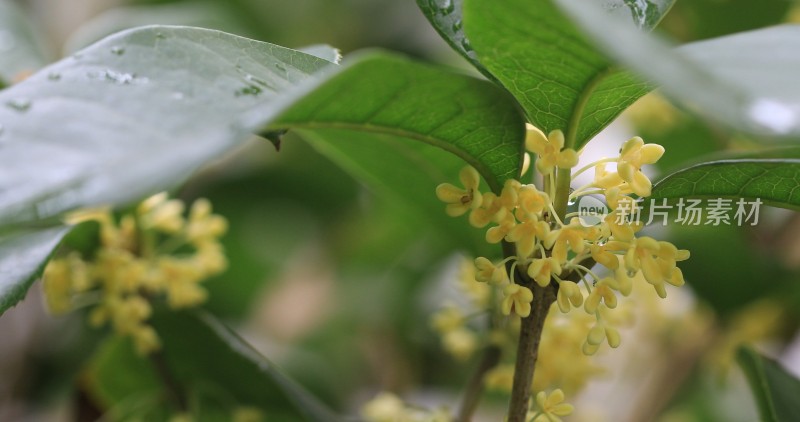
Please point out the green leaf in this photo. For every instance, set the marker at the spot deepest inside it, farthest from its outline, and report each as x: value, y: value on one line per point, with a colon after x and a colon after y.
x: 446, y: 17
x: 747, y: 81
x: 22, y: 254
x: 20, y: 50
x: 200, y: 357
x: 555, y: 73
x: 775, y: 390
x: 123, y: 382
x: 200, y: 350
x: 128, y: 116
x: 386, y: 94
x: 410, y: 178
x: 773, y: 180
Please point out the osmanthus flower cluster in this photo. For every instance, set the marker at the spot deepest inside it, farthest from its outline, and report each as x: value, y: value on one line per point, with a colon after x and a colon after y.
x: 153, y: 252
x: 387, y: 407
x: 563, y: 249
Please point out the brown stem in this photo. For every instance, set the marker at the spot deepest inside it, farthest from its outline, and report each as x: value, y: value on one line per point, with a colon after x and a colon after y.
x: 528, y: 349
x: 474, y: 391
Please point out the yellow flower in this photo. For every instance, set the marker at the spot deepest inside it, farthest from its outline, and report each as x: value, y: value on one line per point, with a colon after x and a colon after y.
x: 549, y: 150
x: 158, y: 212
x: 603, y: 332
x: 386, y: 407
x: 129, y: 268
x: 497, y: 233
x: 447, y: 319
x: 461, y: 343
x: 247, y: 414
x: 552, y: 406
x: 491, y: 209
x: 487, y: 272
x: 605, y: 179
x: 603, y: 254
x: 517, y: 298
x: 531, y: 200
x: 603, y: 291
x: 572, y: 235
x: 203, y: 226
x: 57, y: 284
x: 500, y: 378
x: 568, y: 293
x: 145, y: 340
x: 525, y: 235
x: 543, y: 269
x: 459, y: 200
x: 633, y: 155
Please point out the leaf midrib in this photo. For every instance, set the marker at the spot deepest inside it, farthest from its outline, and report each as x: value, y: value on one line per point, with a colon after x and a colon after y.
x: 385, y: 130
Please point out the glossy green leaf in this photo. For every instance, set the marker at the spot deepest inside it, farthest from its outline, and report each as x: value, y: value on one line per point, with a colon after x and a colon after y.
x: 20, y: 50
x: 774, y: 181
x: 129, y: 116
x: 446, y: 17
x: 386, y: 94
x: 560, y: 79
x: 775, y: 390
x: 410, y: 178
x: 323, y: 51
x: 136, y: 119
x: 747, y: 81
x: 22, y: 253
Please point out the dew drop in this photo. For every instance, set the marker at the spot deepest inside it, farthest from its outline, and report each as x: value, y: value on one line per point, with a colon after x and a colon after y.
x: 457, y: 25
x: 118, y: 50
x: 19, y: 104
x: 447, y: 7
x: 53, y: 76
x: 160, y: 36
x: 257, y: 81
x: 178, y: 96
x: 250, y: 90
x: 466, y: 45
x: 280, y: 67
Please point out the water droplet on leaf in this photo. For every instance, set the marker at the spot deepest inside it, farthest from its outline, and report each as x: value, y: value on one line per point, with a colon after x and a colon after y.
x: 447, y: 7
x: 118, y: 50
x: 457, y: 25
x: 19, y: 104
x: 250, y: 90
x: 53, y: 76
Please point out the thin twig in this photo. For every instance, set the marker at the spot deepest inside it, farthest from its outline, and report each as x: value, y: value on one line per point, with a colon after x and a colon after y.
x: 474, y: 390
x: 173, y: 389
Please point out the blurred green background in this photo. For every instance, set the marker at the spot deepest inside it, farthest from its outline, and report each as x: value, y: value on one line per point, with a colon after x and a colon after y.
x: 335, y: 278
